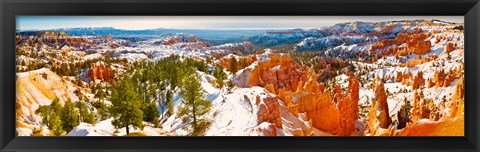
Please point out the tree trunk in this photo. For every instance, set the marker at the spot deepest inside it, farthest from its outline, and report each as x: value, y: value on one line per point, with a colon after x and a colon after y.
x: 128, y: 131
x: 194, y: 117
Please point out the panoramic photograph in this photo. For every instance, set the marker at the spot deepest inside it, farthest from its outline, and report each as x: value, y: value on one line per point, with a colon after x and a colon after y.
x: 239, y: 76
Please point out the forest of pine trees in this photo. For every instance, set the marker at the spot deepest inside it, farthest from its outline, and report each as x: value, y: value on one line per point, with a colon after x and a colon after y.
x: 143, y: 94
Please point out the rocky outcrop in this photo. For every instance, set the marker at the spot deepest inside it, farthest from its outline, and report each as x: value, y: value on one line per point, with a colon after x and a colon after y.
x: 402, y: 117
x: 99, y: 72
x: 264, y: 129
x: 177, y: 39
x: 443, y: 79
x: 418, y: 80
x: 419, y: 60
x: 448, y: 127
x: 438, y: 78
x: 409, y: 80
x: 399, y: 77
x: 37, y: 88
x: 242, y: 62
x: 268, y: 111
x: 378, y: 117
x: 449, y: 48
x: 415, y: 41
x: 329, y: 110
x: 281, y: 71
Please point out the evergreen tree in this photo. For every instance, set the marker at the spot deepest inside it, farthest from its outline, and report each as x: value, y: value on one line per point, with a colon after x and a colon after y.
x: 169, y: 98
x: 85, y: 114
x: 51, y: 116
x: 102, y: 109
x: 233, y: 65
x: 44, y: 112
x: 243, y: 62
x: 220, y: 75
x: 55, y: 123
x: 151, y: 112
x: 100, y: 94
x: 70, y: 117
x: 201, y: 66
x: 126, y: 106
x: 194, y: 106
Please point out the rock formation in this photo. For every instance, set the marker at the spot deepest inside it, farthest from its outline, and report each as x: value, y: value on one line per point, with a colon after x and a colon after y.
x: 449, y: 48
x: 99, y: 72
x: 268, y: 111
x: 415, y: 41
x: 264, y: 129
x: 418, y: 80
x: 242, y: 62
x: 330, y: 111
x: 379, y: 113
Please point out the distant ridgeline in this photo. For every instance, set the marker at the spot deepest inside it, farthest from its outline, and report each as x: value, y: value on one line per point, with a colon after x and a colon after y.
x: 219, y: 36
x: 41, y: 33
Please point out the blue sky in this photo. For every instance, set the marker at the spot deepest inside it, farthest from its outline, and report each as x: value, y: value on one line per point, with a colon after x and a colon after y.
x: 204, y: 22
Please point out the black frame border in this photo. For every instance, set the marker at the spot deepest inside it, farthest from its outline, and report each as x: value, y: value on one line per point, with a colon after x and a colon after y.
x: 10, y: 8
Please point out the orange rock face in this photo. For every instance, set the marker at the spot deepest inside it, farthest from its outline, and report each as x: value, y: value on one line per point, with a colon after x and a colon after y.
x: 418, y: 80
x: 439, y: 77
x: 378, y: 115
x: 286, y: 75
x: 269, y: 111
x: 99, y: 72
x: 444, y: 79
x: 416, y: 43
x: 416, y: 111
x: 417, y: 61
x: 399, y: 77
x: 449, y: 48
x: 241, y: 63
x: 449, y: 127
x: 297, y: 86
x: 424, y: 108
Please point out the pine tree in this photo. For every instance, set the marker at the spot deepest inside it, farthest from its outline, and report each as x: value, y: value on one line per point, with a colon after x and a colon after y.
x: 220, y: 75
x: 194, y: 106
x: 100, y: 94
x: 55, y: 123
x: 233, y: 65
x: 169, y: 98
x: 85, y: 114
x: 70, y: 117
x: 243, y: 62
x: 151, y: 112
x: 126, y: 106
x: 201, y: 66
x: 44, y: 112
x: 102, y: 109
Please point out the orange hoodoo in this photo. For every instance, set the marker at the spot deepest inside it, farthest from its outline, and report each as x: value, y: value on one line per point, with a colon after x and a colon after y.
x: 297, y: 86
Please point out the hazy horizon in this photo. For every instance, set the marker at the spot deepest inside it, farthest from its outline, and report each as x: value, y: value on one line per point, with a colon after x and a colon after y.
x: 205, y: 22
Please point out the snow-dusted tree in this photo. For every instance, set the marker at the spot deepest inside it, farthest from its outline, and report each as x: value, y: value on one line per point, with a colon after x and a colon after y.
x: 194, y: 107
x: 126, y: 106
